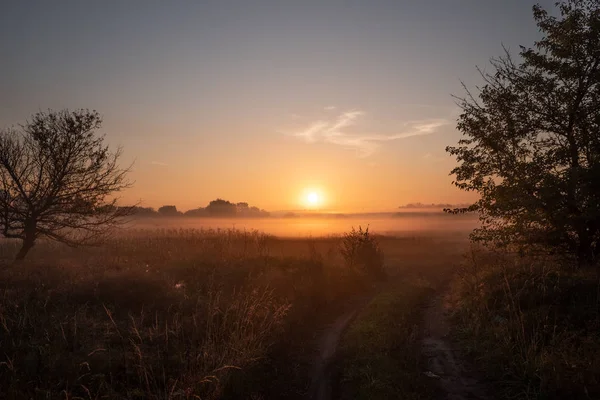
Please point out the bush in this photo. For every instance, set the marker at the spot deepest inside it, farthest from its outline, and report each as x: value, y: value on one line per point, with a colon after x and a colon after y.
x: 361, y: 251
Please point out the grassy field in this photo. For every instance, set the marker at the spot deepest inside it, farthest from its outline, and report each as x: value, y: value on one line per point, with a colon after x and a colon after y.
x: 226, y: 314
x: 178, y: 314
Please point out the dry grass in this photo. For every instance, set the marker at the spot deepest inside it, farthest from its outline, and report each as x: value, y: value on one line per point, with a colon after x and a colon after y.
x: 164, y: 314
x: 531, y: 324
x: 182, y: 313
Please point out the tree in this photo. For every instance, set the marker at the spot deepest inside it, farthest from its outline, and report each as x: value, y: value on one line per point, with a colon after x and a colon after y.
x: 196, y: 212
x: 139, y: 211
x: 169, y: 211
x: 56, y: 176
x: 221, y: 208
x: 531, y: 140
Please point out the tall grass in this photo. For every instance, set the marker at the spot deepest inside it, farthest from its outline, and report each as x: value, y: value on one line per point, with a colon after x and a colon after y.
x: 531, y: 324
x: 164, y: 314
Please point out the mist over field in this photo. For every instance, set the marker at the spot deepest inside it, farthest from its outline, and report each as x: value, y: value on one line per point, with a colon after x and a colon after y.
x: 404, y: 223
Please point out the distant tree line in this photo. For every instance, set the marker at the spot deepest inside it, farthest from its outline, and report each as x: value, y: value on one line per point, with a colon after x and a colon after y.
x: 216, y: 208
x: 432, y: 205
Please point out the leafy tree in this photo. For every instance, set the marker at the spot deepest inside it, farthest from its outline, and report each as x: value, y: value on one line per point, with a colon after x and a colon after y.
x: 531, y: 138
x: 56, y: 176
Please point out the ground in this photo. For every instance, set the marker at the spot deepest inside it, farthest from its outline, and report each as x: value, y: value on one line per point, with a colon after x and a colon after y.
x: 173, y: 314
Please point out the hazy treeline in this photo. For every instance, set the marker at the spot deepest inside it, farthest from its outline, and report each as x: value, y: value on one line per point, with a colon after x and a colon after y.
x: 216, y: 208
x: 441, y: 206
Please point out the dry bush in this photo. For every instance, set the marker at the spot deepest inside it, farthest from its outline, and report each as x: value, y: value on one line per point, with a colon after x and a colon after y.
x: 361, y: 251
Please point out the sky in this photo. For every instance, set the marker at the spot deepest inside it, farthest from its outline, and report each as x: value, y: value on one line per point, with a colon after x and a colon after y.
x: 263, y: 101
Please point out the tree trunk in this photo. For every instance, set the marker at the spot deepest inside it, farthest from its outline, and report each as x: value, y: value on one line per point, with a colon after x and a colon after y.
x: 27, y: 245
x: 28, y: 241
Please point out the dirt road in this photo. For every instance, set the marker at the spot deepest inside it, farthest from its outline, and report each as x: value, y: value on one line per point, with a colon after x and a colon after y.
x: 323, y: 373
x: 444, y: 365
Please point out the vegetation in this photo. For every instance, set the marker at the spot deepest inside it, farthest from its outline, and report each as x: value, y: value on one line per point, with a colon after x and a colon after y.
x: 531, y: 148
x: 530, y: 325
x: 56, y: 176
x: 361, y: 251
x: 525, y: 314
x: 169, y: 211
x: 169, y: 314
x: 216, y: 208
x: 380, y: 353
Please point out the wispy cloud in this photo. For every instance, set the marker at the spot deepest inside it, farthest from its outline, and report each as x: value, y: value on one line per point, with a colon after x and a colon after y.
x: 159, y: 163
x: 330, y: 108
x: 333, y: 131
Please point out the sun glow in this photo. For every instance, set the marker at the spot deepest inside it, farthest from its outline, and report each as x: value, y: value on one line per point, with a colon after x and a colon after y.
x: 312, y: 199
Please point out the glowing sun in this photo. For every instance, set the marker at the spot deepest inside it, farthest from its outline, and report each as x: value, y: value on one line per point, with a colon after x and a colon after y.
x: 313, y: 198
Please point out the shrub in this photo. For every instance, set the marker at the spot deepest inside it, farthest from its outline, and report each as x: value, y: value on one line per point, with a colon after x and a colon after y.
x: 361, y: 251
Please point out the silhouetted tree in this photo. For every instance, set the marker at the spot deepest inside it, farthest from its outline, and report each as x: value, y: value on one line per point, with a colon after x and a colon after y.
x: 197, y: 212
x: 143, y: 211
x: 55, y: 178
x: 168, y: 211
x: 531, y: 145
x: 221, y: 208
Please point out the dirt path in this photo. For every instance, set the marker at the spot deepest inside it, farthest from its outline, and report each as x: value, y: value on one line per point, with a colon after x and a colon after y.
x: 323, y: 374
x: 443, y: 364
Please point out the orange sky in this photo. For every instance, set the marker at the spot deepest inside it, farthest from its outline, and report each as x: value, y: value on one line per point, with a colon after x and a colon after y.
x: 277, y: 174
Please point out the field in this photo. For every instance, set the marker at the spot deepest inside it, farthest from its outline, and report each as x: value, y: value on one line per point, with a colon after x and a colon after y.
x: 188, y: 313
x: 185, y: 313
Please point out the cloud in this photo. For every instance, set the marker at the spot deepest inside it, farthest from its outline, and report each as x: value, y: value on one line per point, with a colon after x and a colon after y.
x: 160, y: 164
x: 333, y: 131
x: 330, y: 108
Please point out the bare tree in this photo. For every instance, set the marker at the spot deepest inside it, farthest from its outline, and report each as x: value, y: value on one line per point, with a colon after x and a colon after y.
x: 56, y: 180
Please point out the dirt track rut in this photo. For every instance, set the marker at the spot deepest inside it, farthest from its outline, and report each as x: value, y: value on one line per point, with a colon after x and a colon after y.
x: 443, y: 364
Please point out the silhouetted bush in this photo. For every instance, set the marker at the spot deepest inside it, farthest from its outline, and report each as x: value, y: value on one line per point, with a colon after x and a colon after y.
x: 361, y: 251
